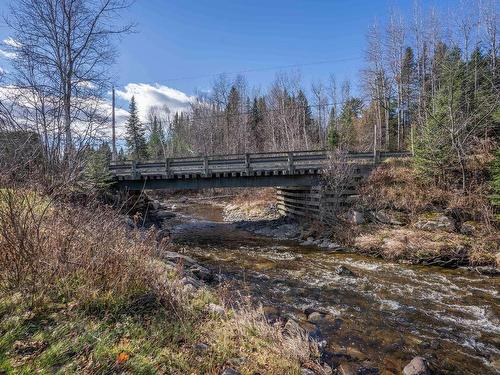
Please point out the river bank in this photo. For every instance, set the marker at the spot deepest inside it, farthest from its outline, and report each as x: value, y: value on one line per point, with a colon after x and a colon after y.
x: 368, y: 315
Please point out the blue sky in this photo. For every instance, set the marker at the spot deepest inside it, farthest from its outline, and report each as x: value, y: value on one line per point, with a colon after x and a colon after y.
x: 176, y: 40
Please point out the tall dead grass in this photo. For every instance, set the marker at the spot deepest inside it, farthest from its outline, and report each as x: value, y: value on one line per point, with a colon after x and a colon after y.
x: 49, y: 248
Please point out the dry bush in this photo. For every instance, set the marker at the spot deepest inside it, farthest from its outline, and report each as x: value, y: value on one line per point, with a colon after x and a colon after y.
x: 59, y: 250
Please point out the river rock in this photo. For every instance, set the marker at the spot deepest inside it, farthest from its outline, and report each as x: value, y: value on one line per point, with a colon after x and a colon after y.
x: 417, y: 366
x: 164, y: 214
x: 314, y: 316
x: 154, y: 204
x: 435, y: 221
x: 344, y: 271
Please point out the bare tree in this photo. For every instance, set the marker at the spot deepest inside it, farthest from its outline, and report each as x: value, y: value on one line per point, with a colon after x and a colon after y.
x: 62, y: 51
x: 336, y: 180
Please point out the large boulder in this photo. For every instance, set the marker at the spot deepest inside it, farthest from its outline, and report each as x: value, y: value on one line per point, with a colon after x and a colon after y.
x: 417, y: 366
x: 435, y: 221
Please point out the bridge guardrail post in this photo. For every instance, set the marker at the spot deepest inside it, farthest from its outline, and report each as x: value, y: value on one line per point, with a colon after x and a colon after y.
x: 247, y: 164
x: 167, y: 167
x: 291, y: 167
x: 134, y: 169
x: 376, y: 157
x: 205, y: 165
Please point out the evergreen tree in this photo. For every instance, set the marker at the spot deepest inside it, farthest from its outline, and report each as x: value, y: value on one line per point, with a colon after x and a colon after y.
x: 96, y: 172
x: 306, y: 117
x: 156, y: 140
x: 351, y: 110
x: 135, y: 134
x: 333, y: 135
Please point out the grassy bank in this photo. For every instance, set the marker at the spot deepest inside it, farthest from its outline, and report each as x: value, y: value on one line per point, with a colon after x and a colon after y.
x: 81, y: 293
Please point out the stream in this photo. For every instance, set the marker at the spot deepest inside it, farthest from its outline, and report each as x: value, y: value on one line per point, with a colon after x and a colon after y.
x: 377, y: 319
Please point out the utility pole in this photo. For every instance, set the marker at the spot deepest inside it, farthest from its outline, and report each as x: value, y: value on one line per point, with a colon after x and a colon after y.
x: 113, y: 124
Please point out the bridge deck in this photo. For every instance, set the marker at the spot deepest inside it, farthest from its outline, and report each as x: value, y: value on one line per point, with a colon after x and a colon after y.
x: 258, y: 169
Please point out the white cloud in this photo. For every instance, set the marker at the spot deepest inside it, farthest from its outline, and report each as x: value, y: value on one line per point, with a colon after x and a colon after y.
x: 148, y: 96
x: 12, y: 42
x: 7, y: 55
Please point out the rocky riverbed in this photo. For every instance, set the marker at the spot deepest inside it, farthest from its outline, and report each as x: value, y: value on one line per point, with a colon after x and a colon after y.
x: 369, y: 316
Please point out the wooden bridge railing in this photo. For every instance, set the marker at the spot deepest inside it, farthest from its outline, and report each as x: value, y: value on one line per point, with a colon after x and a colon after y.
x: 291, y: 162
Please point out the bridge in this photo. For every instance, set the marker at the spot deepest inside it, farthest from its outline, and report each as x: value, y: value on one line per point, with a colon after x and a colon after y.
x: 294, y: 168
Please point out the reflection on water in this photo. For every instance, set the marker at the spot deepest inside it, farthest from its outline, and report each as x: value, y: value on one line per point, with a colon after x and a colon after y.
x: 382, y: 317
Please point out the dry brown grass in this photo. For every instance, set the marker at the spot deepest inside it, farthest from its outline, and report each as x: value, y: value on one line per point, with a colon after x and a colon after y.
x: 55, y: 248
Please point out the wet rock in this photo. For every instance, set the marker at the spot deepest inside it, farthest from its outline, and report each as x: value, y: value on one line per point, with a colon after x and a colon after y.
x: 201, y: 273
x: 163, y: 214
x: 154, y: 204
x: 230, y: 371
x: 315, y: 317
x: 417, y: 366
x: 435, y: 221
x: 344, y: 271
x: 216, y: 309
x: 488, y: 271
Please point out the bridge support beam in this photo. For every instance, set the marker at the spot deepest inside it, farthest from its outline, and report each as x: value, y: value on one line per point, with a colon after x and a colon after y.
x: 222, y: 182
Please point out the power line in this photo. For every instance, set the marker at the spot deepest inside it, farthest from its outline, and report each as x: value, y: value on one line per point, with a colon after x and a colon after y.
x: 279, y: 67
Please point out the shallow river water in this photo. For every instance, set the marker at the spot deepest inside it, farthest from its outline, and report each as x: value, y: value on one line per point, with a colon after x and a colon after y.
x: 380, y: 319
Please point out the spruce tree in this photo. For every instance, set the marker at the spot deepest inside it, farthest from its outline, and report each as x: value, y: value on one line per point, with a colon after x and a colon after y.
x: 156, y: 140
x: 135, y: 134
x: 333, y: 135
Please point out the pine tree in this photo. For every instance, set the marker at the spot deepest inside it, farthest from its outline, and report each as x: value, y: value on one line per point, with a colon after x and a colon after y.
x: 333, y: 135
x: 156, y: 140
x: 310, y: 129
x: 135, y: 134
x: 96, y: 173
